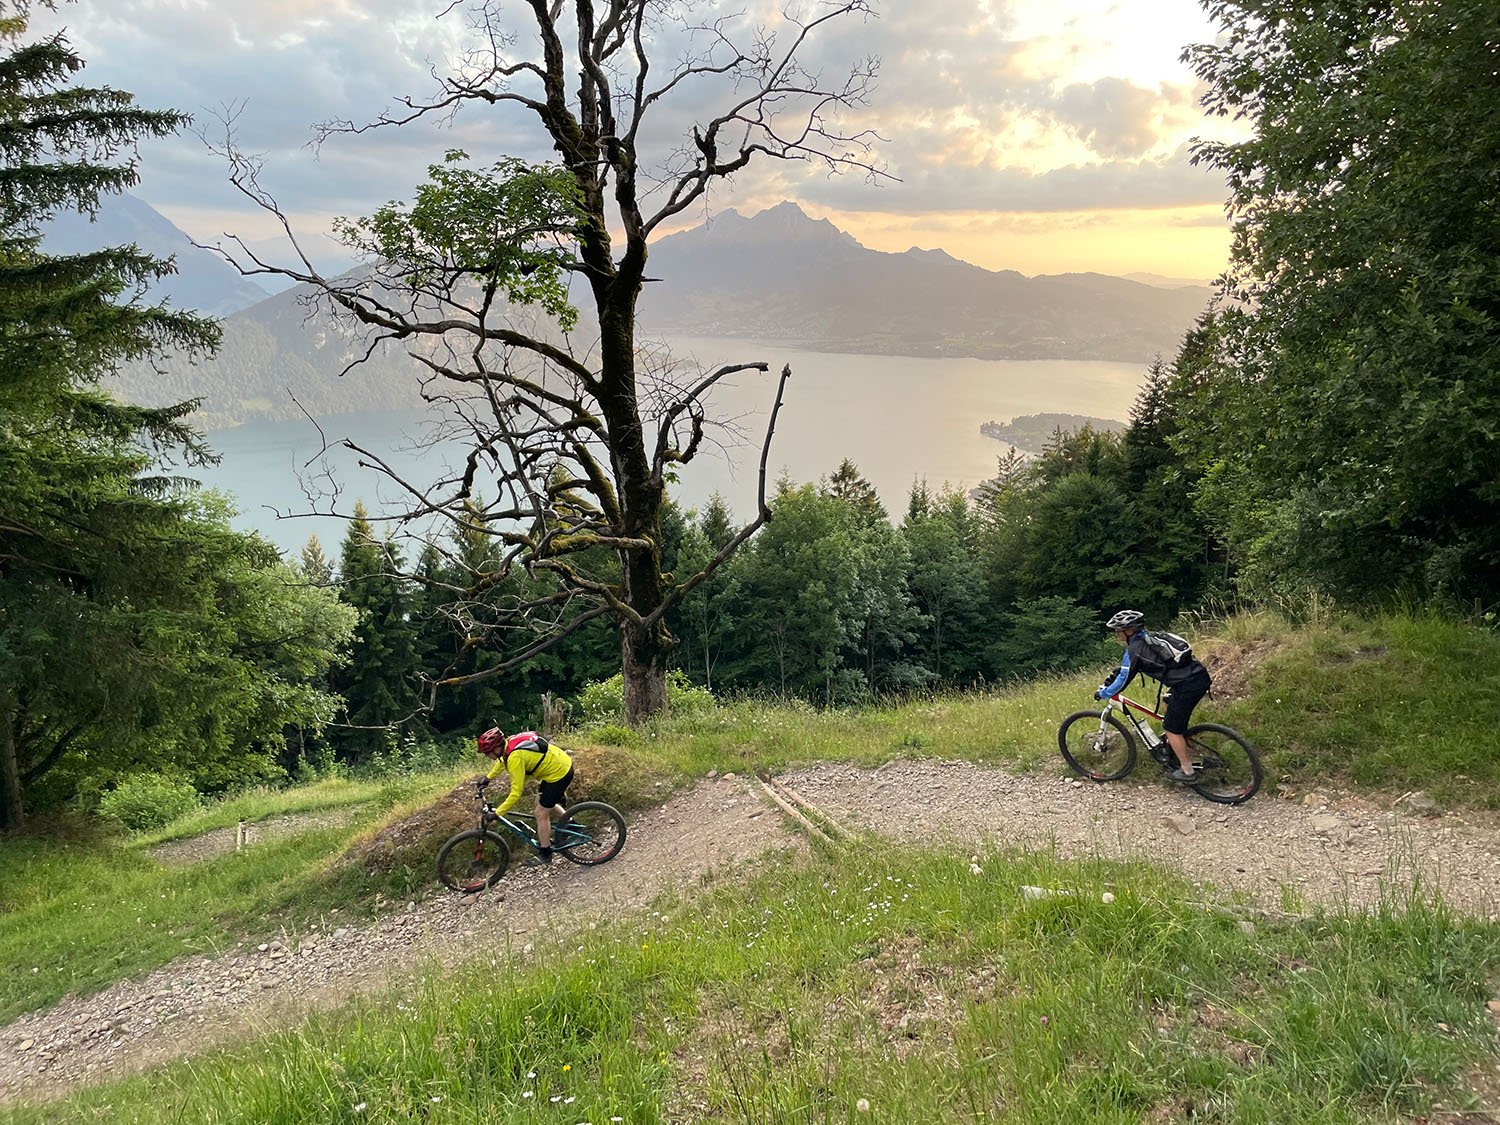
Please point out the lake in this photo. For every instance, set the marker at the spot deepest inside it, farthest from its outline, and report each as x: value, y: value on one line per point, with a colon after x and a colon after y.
x: 898, y: 418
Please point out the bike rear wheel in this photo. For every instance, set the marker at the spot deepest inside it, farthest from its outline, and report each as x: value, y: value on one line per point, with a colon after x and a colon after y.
x: 472, y: 861
x: 1101, y: 752
x: 591, y: 833
x: 1229, y: 765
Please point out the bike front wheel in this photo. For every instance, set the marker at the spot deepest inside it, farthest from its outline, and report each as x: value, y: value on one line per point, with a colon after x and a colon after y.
x: 591, y: 833
x: 472, y: 861
x: 1102, y: 751
x: 1229, y: 766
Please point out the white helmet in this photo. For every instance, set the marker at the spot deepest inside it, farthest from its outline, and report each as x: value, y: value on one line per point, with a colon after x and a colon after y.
x: 1125, y: 619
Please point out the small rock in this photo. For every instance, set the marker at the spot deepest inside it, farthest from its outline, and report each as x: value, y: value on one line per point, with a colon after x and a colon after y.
x: 1494, y: 1007
x: 1182, y: 825
x: 712, y: 774
x: 1326, y: 825
x: 1107, y: 897
x: 1315, y: 800
x: 340, y: 932
x: 1247, y: 928
x: 26, y: 1044
x: 1417, y: 803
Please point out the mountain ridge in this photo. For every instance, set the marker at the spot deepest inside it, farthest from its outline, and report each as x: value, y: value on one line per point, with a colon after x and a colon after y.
x: 782, y: 275
x: 778, y: 277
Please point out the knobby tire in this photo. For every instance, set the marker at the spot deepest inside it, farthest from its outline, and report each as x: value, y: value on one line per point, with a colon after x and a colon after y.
x: 472, y: 861
x: 1099, y: 756
x: 1232, y: 772
x: 591, y: 833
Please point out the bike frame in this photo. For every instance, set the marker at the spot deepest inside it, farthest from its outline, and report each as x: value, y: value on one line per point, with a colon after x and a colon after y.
x: 1126, y: 701
x: 1126, y: 704
x: 523, y: 827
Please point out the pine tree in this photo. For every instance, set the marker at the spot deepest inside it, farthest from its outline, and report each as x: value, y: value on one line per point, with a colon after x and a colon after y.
x: 87, y: 514
x: 317, y: 567
x: 381, y: 681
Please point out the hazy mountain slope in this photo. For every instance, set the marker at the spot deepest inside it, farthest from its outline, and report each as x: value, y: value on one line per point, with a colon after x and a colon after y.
x: 204, y: 282
x: 275, y: 355
x: 783, y: 276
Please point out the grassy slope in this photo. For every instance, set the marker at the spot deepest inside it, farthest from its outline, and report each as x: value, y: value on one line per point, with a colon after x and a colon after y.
x: 917, y: 985
x: 1394, y: 703
x: 79, y: 915
x: 1389, y: 704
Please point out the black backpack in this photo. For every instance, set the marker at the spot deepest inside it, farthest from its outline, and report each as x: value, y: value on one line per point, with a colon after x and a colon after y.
x: 1170, y: 649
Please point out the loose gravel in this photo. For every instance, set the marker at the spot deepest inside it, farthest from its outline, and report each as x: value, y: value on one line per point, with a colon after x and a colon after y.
x: 1325, y: 849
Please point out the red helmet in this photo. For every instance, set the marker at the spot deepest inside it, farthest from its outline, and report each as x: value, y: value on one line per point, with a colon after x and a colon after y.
x: 492, y: 742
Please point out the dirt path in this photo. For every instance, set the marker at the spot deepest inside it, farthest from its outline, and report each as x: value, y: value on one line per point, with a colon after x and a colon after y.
x: 1325, y: 852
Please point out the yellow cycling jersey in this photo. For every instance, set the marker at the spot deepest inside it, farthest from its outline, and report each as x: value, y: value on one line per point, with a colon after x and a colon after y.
x: 552, y: 764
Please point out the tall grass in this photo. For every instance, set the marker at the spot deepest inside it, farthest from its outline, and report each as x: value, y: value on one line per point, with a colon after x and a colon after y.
x: 879, y: 984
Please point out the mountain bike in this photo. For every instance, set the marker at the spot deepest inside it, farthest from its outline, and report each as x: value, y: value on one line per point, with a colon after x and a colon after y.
x: 1102, y: 748
x: 590, y: 833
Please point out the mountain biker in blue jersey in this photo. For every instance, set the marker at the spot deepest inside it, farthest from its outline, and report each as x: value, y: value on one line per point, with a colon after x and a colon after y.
x: 1186, y: 683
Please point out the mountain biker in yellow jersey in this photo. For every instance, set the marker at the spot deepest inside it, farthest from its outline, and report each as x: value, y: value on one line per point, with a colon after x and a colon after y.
x: 1186, y: 680
x: 530, y: 755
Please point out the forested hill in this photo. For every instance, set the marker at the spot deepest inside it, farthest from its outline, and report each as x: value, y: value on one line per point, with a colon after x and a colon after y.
x: 782, y: 275
x: 778, y: 276
x: 274, y: 355
x: 1032, y: 432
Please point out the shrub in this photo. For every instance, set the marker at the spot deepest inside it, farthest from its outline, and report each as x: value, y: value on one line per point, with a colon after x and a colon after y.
x: 603, y: 701
x: 613, y: 734
x: 149, y: 800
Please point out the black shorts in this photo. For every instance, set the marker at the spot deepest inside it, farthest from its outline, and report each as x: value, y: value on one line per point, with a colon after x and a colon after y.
x: 1183, y: 698
x: 549, y: 794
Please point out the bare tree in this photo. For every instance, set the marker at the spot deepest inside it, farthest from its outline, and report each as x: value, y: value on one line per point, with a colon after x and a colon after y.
x: 571, y: 432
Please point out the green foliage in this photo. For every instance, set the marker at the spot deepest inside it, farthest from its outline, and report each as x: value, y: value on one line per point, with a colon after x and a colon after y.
x: 1043, y: 635
x: 1033, y: 433
x: 1343, y: 413
x: 704, y: 619
x: 511, y: 226
x: 149, y: 800
x: 614, y: 734
x: 602, y: 701
x: 826, y: 612
x: 601, y: 704
x: 380, y: 680
x: 137, y: 629
x: 943, y: 545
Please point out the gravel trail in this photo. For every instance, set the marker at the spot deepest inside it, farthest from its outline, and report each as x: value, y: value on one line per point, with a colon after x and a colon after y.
x: 1325, y: 849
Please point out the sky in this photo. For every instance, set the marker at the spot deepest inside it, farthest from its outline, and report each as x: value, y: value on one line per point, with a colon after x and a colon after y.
x: 1044, y: 136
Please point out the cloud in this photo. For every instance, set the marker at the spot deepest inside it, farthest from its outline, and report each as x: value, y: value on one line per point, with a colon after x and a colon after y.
x: 979, y: 112
x: 1116, y: 117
